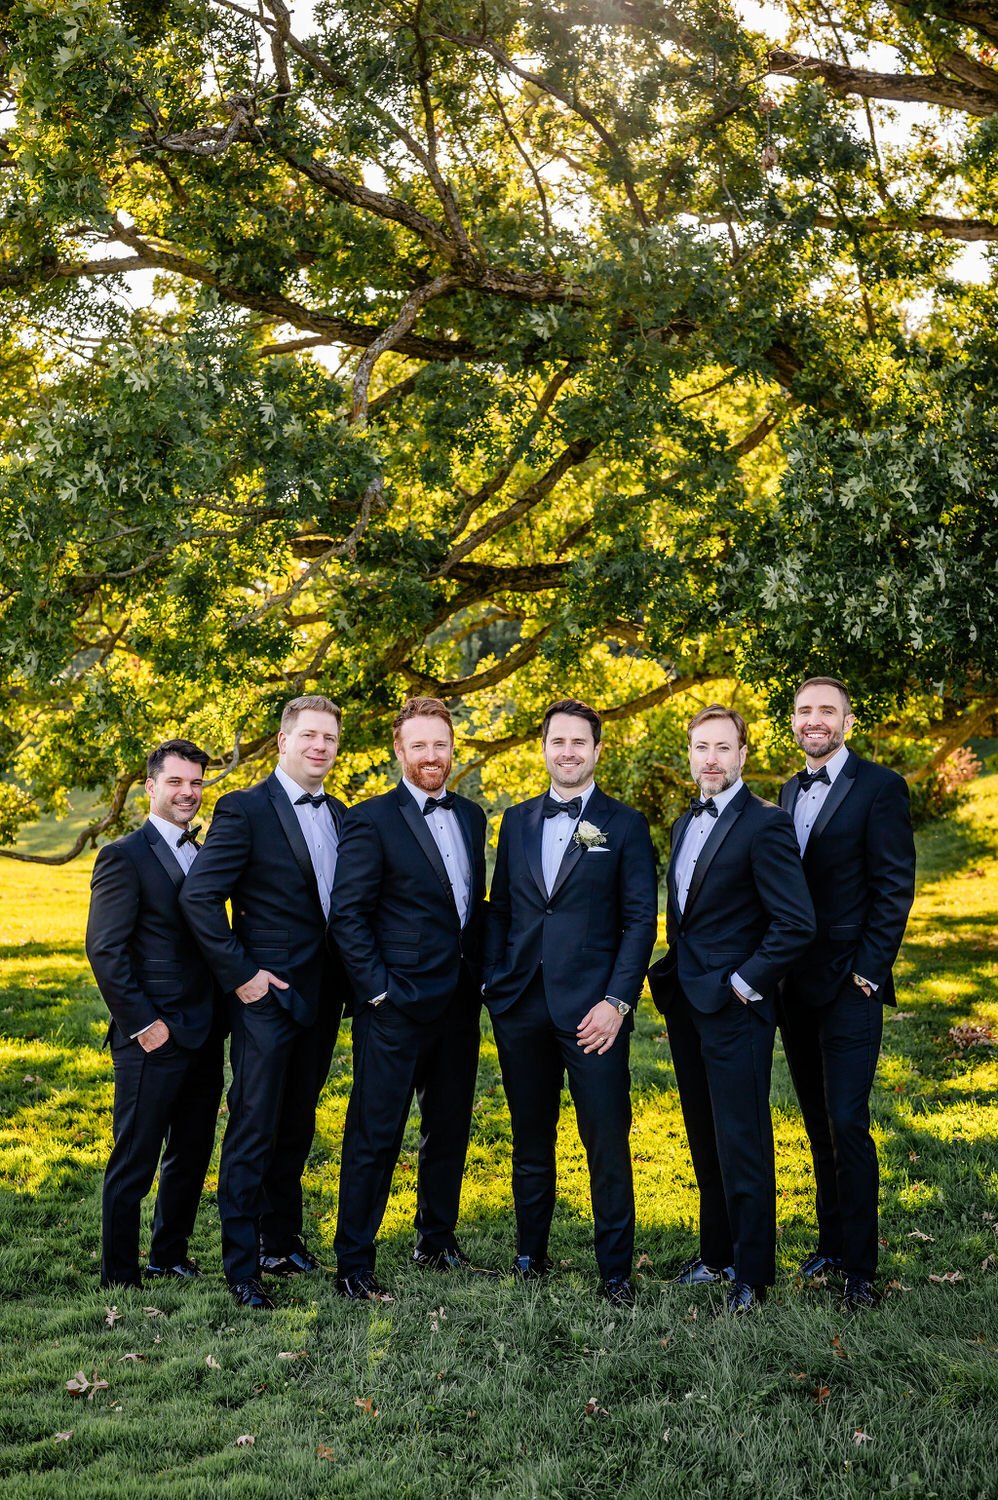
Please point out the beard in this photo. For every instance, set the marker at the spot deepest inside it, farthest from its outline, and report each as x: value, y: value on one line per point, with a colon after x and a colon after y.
x: 728, y: 778
x: 834, y: 742
x: 429, y: 778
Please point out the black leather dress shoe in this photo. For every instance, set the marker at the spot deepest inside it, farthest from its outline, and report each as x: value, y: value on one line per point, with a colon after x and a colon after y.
x: 530, y: 1267
x: 743, y: 1298
x: 362, y: 1286
x: 250, y: 1294
x: 184, y: 1270
x: 448, y: 1260
x: 617, y: 1290
x: 817, y: 1264
x: 297, y: 1262
x: 860, y: 1295
x: 696, y: 1272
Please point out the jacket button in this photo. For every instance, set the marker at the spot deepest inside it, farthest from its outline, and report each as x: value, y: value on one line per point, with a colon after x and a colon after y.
x: 548, y: 910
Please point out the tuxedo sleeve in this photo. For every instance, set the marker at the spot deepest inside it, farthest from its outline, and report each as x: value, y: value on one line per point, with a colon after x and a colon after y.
x: 114, y: 913
x: 890, y: 864
x: 213, y: 877
x: 355, y: 898
x: 782, y: 889
x: 498, y: 913
x: 637, y: 906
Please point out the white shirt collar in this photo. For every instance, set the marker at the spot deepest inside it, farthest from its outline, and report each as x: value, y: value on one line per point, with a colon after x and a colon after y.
x: 168, y: 831
x: 721, y: 799
x: 836, y: 764
x: 292, y: 787
x: 557, y: 797
x: 419, y: 796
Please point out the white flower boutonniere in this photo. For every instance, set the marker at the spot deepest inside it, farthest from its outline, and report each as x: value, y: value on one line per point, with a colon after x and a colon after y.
x: 588, y: 836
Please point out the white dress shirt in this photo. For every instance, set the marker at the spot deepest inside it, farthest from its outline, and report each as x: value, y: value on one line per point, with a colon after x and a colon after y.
x: 319, y: 830
x: 445, y: 831
x: 557, y: 834
x: 809, y: 804
x: 170, y: 833
x: 698, y: 831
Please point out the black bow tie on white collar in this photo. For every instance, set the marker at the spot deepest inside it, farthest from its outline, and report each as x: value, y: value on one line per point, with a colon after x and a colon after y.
x: 319, y: 800
x: 552, y: 807
x: 808, y: 778
x: 432, y: 803
x: 697, y: 807
x: 189, y: 837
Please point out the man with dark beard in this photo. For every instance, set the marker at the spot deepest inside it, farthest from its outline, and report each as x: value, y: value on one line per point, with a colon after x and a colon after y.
x: 853, y: 825
x: 407, y: 920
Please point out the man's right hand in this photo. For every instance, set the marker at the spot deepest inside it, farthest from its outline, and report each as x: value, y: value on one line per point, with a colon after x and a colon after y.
x: 254, y: 989
x: 154, y: 1037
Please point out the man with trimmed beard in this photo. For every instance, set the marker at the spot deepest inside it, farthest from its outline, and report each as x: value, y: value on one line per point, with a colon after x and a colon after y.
x: 853, y: 824
x: 739, y: 913
x: 407, y: 921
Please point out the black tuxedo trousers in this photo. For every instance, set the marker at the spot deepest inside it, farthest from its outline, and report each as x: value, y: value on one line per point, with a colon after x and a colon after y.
x: 163, y: 1100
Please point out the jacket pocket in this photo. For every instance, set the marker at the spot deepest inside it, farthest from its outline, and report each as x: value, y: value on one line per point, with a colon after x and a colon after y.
x: 844, y: 934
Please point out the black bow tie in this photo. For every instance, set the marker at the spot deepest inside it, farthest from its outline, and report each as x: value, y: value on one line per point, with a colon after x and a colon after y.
x: 432, y: 803
x: 697, y: 807
x: 552, y: 808
x: 190, y: 837
x: 808, y: 778
x: 319, y: 800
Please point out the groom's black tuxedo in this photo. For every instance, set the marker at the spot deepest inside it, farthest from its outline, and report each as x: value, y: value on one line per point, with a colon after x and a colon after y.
x: 550, y: 957
x: 859, y: 862
x: 394, y: 920
x: 256, y: 856
x: 747, y: 912
x: 148, y: 968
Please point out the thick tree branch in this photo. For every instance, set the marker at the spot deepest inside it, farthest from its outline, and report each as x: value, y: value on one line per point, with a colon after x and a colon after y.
x: 90, y: 833
x: 965, y: 728
x: 389, y: 339
x: 459, y: 687
x: 934, y: 88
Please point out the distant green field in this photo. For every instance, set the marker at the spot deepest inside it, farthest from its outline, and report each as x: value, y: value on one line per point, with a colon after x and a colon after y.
x: 471, y: 1389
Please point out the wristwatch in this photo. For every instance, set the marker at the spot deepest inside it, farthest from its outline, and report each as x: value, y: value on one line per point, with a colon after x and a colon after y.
x: 620, y: 1006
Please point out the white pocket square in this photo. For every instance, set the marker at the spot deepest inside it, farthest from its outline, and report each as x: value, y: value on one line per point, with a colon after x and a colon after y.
x: 599, y: 849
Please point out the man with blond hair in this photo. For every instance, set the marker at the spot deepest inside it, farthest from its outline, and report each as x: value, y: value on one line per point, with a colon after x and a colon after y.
x: 406, y: 916
x: 272, y: 851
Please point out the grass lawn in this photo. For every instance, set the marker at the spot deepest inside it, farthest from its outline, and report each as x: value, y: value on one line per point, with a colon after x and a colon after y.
x: 475, y: 1388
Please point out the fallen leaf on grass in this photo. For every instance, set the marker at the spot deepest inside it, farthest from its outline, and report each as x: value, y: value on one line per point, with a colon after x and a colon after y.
x: 860, y: 1437
x: 31, y: 1078
x: 691, y: 1314
x: 918, y: 1234
x: 366, y: 1405
x: 64, y: 1437
x: 325, y: 1452
x: 946, y: 1277
x: 988, y: 1263
x: 900, y: 1015
x: 975, y: 874
x: 820, y: 1394
x: 798, y: 1375
x: 154, y: 1312
x: 897, y: 1286
x: 244, y: 1440
x: 643, y: 1262
x: 79, y: 1385
x: 838, y: 1349
x: 135, y: 1358
x: 972, y: 1034
x: 111, y: 1316
x: 592, y: 1408
x: 212, y: 1362
x: 292, y: 1354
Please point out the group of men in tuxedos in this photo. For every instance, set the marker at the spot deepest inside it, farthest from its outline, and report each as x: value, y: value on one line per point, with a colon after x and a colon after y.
x: 297, y: 908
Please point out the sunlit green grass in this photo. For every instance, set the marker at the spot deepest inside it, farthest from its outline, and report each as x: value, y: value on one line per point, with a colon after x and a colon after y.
x: 481, y: 1387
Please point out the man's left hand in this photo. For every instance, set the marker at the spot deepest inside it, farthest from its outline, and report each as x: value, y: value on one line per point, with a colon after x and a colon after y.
x: 597, y: 1031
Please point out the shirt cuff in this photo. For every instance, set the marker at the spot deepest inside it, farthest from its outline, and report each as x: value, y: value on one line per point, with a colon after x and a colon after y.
x: 143, y: 1029
x: 860, y: 980
x: 377, y: 999
x: 741, y: 988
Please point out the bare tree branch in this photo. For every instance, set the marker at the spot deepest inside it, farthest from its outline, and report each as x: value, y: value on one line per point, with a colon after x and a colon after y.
x: 459, y: 687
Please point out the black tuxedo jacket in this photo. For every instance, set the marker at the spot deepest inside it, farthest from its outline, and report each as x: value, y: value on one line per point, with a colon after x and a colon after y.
x: 747, y: 909
x: 593, y: 934
x: 145, y: 960
x: 256, y: 856
x: 393, y: 917
x: 860, y: 868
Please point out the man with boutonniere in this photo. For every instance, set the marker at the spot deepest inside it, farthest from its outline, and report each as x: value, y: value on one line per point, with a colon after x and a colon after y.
x: 571, y: 925
x: 738, y: 915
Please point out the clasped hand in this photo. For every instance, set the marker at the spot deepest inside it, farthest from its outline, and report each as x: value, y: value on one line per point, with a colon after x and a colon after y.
x: 597, y: 1031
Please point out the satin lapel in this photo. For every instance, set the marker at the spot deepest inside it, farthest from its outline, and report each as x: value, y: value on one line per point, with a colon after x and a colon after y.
x: 677, y: 843
x: 531, y: 831
x: 463, y: 815
x: 598, y: 811
x: 293, y: 834
x: 158, y: 846
x: 841, y: 787
x: 336, y: 811
x: 715, y: 839
x: 417, y: 825
x: 788, y: 796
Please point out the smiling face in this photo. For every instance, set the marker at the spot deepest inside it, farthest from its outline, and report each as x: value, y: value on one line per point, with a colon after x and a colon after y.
x: 820, y: 721
x: 570, y: 753
x: 307, y: 751
x: 175, y: 791
x: 716, y: 758
x: 424, y: 748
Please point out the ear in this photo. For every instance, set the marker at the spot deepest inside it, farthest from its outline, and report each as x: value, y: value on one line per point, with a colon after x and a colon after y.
x: 150, y: 786
x: 742, y: 755
x: 599, y: 751
x: 848, y: 722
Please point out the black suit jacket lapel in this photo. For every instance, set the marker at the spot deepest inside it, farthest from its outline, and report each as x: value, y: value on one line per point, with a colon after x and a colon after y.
x: 531, y: 830
x: 292, y: 832
x: 788, y: 795
x: 727, y: 820
x: 679, y: 833
x: 596, y: 810
x: 838, y: 792
x: 463, y: 813
x: 413, y: 815
x: 157, y: 844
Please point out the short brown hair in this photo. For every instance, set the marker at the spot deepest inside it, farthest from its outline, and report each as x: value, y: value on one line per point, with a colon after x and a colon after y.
x: 826, y: 682
x: 313, y: 703
x: 580, y: 710
x: 184, y: 749
x: 718, y: 711
x: 415, y: 708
